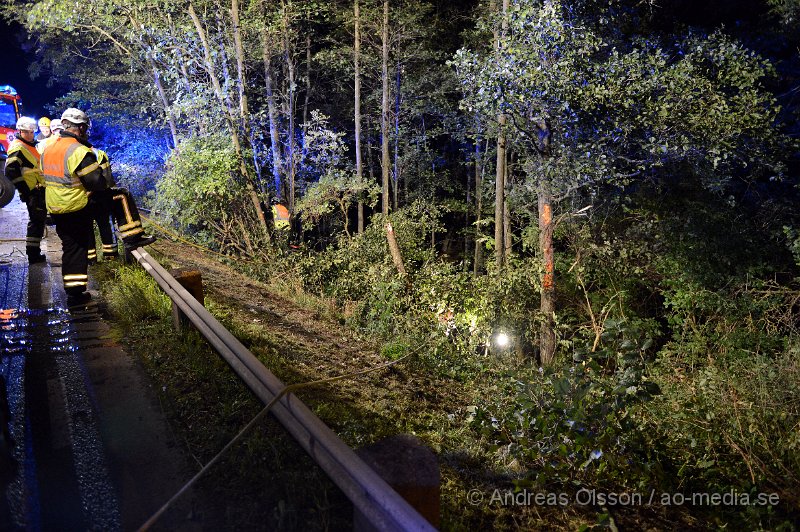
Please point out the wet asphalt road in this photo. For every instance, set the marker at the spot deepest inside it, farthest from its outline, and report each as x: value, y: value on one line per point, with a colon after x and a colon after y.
x: 92, y: 449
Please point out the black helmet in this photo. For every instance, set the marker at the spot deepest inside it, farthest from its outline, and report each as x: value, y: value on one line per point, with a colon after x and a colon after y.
x: 275, y: 200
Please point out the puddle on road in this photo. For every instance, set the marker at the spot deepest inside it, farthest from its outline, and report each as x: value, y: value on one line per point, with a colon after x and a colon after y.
x: 62, y: 480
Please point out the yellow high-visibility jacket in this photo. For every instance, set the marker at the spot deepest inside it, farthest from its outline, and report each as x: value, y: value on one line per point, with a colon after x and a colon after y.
x: 70, y: 168
x: 22, y: 166
x: 280, y: 217
x: 44, y: 143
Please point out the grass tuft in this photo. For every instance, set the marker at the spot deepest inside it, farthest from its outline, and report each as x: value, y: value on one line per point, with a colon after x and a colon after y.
x: 134, y: 296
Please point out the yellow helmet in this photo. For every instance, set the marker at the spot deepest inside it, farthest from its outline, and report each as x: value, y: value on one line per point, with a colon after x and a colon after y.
x: 44, y: 122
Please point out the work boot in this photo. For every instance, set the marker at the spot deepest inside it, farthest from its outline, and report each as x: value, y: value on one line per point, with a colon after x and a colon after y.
x: 139, y: 241
x: 34, y: 259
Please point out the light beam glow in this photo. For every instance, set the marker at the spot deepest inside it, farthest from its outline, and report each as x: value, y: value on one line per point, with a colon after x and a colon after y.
x: 501, y: 339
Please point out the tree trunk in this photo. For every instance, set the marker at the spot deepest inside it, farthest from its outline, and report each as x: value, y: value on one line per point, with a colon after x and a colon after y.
x: 385, y: 169
x: 266, y: 52
x: 308, y: 78
x: 291, y: 106
x: 357, y: 106
x: 467, y: 235
x: 506, y: 213
x: 499, y: 201
x: 394, y: 250
x: 237, y: 43
x: 547, y: 340
x: 370, y: 159
x: 173, y: 129
x: 343, y: 211
x: 244, y: 109
x: 222, y: 32
x: 500, y: 170
x: 396, y: 140
x: 477, y: 266
x: 209, y: 66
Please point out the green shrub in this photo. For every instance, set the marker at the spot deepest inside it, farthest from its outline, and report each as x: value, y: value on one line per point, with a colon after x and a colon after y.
x: 202, y: 195
x: 571, y: 424
x: 440, y: 305
x: 733, y: 425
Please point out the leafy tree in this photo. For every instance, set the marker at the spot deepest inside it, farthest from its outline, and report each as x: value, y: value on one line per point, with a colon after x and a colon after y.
x: 585, y: 106
x: 201, y: 193
x: 787, y: 11
x: 337, y: 186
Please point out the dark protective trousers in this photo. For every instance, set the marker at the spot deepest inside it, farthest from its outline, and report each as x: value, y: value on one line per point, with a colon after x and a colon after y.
x: 121, y: 205
x: 101, y: 206
x: 126, y: 215
x: 37, y: 214
x: 77, y: 237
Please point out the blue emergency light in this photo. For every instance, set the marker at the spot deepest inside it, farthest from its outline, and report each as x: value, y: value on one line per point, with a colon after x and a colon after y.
x: 8, y: 89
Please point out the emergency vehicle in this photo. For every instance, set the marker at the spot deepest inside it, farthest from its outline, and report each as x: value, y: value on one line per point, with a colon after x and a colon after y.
x: 10, y: 111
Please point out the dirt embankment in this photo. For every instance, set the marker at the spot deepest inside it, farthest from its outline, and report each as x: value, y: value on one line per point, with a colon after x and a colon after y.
x: 315, y: 342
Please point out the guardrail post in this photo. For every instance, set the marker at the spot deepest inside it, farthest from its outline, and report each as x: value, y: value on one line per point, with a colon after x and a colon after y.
x: 411, y: 468
x: 192, y: 281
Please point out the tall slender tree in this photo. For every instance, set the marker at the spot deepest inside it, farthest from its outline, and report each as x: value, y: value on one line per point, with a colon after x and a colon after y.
x: 385, y: 161
x: 267, y: 50
x: 477, y: 265
x: 287, y: 15
x: 357, y: 104
x: 500, y: 166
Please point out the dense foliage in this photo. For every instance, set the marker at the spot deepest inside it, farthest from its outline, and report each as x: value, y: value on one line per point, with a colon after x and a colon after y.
x: 664, y: 137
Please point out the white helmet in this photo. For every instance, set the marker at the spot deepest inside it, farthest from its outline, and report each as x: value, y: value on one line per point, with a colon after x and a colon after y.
x: 26, y: 123
x: 56, y: 125
x: 76, y: 116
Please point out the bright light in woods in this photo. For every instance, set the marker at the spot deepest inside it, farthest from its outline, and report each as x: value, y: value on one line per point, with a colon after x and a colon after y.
x: 501, y: 339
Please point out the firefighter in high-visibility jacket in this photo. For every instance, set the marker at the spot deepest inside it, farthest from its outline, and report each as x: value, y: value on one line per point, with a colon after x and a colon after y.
x: 280, y: 216
x: 44, y: 129
x: 100, y: 203
x: 22, y: 169
x: 56, y: 128
x: 71, y: 171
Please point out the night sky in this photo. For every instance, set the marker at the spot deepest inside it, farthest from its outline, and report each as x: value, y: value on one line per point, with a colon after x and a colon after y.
x: 18, y: 55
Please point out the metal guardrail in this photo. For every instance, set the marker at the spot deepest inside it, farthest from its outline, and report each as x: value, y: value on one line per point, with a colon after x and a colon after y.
x: 381, y: 505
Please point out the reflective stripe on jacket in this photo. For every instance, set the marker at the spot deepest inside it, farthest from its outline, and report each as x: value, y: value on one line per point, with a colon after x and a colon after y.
x: 64, y: 190
x: 28, y: 159
x: 105, y: 166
